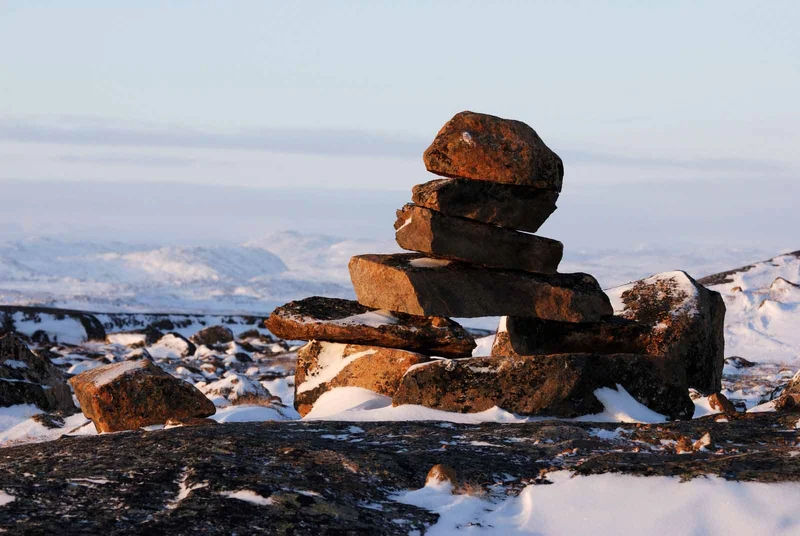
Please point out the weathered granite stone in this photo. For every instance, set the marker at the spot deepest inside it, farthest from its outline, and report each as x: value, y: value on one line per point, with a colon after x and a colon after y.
x: 213, y: 335
x: 560, y: 385
x: 321, y: 366
x: 418, y: 285
x: 338, y: 320
x: 484, y: 147
x: 433, y: 233
x: 508, y: 205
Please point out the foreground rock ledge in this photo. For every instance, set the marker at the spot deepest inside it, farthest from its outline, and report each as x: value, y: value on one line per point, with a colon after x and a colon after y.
x: 319, y: 476
x: 338, y: 320
x: 484, y: 147
x: 506, y: 205
x: 562, y: 385
x: 132, y: 394
x: 433, y: 233
x: 417, y: 285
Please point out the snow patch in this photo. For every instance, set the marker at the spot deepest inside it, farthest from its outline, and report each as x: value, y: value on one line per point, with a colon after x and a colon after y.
x: 330, y: 362
x: 248, y: 496
x: 427, y: 262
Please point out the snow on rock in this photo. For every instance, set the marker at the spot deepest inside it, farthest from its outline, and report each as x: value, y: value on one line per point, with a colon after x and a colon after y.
x: 6, y: 498
x: 251, y: 413
x: 620, y: 406
x: 11, y: 416
x: 330, y: 362
x: 679, y: 281
x: 248, y: 496
x: 235, y: 388
x: 171, y: 346
x: 427, y: 262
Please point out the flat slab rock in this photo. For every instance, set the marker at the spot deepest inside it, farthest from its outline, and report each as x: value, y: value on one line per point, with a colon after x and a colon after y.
x: 561, y: 385
x: 414, y: 284
x: 347, y: 321
x: 319, y: 477
x: 507, y: 205
x: 484, y: 147
x: 321, y: 366
x: 431, y: 232
x: 131, y: 394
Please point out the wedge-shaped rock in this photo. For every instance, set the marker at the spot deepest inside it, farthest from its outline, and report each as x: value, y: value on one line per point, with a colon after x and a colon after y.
x: 484, y: 147
x: 418, y: 285
x: 514, y: 207
x: 433, y: 233
x: 561, y: 385
x: 518, y: 335
x: 132, y: 394
x: 321, y: 366
x: 28, y: 378
x: 337, y: 320
x: 686, y: 321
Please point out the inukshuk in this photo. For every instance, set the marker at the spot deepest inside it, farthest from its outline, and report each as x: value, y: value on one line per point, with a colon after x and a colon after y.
x: 474, y: 255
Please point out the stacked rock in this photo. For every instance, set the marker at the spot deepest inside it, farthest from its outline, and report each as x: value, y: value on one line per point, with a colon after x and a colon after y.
x: 474, y: 255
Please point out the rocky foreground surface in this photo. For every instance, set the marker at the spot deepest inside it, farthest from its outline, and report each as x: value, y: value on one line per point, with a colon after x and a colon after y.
x: 339, y: 478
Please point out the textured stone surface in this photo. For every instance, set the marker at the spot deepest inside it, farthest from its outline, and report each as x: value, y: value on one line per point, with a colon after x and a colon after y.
x: 532, y: 336
x: 132, y: 394
x: 686, y: 321
x: 431, y: 232
x: 507, y: 205
x: 559, y: 385
x: 416, y: 285
x: 213, y: 335
x: 484, y: 147
x: 28, y: 378
x: 321, y: 366
x: 338, y: 320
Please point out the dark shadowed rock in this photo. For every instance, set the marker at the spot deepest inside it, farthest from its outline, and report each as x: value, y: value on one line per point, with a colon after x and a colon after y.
x: 686, y: 321
x: 484, y: 147
x: 433, y: 287
x: 518, y: 335
x: 213, y: 335
x: 433, y: 233
x: 132, y: 394
x: 338, y: 320
x: 28, y: 378
x: 560, y: 385
x: 321, y: 366
x: 507, y: 205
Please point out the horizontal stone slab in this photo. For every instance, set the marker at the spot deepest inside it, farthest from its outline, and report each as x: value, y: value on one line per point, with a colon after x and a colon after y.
x: 414, y: 284
x: 431, y: 232
x: 508, y: 205
x: 561, y: 385
x: 321, y: 366
x: 338, y: 320
x: 533, y: 336
x: 484, y: 147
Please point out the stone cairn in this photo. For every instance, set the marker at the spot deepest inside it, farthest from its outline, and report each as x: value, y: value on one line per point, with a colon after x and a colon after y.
x: 474, y: 255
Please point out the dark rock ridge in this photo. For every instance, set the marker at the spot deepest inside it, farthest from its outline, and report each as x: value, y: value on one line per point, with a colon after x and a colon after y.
x: 324, y: 478
x: 28, y: 378
x: 417, y: 285
x: 321, y: 366
x: 506, y: 205
x: 484, y: 147
x: 347, y: 321
x: 431, y: 232
x: 725, y: 277
x: 559, y: 385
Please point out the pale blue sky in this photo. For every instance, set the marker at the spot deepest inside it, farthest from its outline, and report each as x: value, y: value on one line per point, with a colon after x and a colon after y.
x: 348, y: 94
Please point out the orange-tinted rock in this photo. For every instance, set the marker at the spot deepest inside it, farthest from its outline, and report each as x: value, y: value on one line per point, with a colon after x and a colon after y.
x: 442, y: 473
x: 484, y: 147
x: 433, y: 233
x: 720, y: 402
x: 338, y: 320
x: 417, y: 285
x: 533, y: 336
x: 561, y: 385
x: 132, y: 394
x: 790, y: 397
x: 514, y: 207
x: 321, y: 366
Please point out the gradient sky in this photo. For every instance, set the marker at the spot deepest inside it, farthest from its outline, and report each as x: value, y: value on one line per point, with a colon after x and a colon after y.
x: 348, y: 94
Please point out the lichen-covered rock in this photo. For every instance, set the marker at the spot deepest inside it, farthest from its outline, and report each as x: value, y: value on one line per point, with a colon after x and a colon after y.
x: 417, y: 285
x: 561, y: 385
x: 321, y: 366
x: 686, y: 321
x: 432, y: 233
x: 213, y: 335
x: 28, y: 378
x: 507, y: 205
x: 484, y: 147
x: 132, y: 394
x: 338, y: 320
